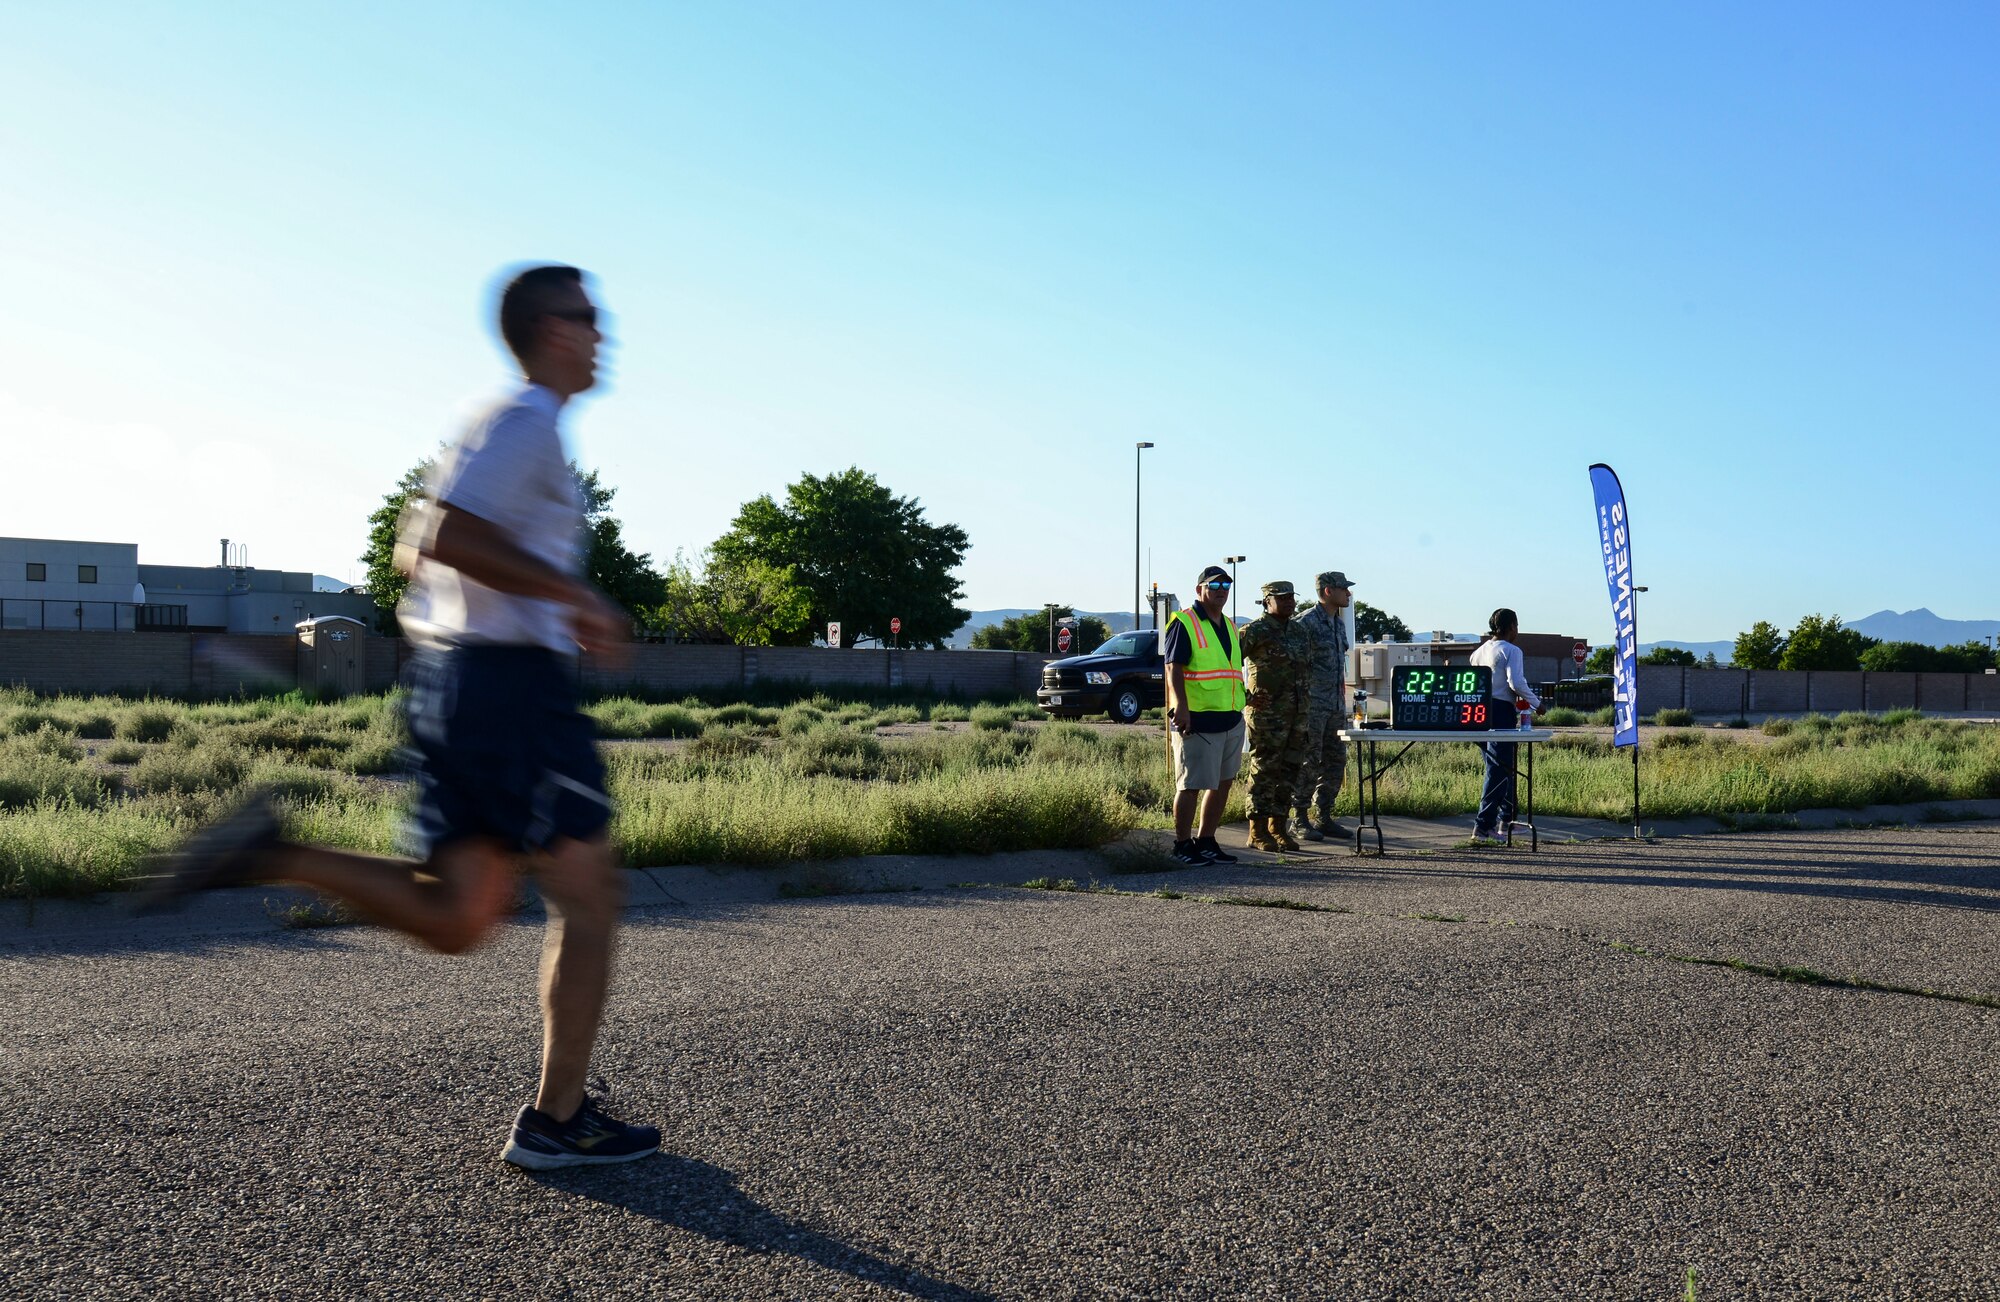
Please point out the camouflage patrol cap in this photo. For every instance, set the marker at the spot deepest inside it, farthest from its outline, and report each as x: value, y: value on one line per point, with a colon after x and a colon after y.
x: 1277, y: 588
x: 1332, y: 579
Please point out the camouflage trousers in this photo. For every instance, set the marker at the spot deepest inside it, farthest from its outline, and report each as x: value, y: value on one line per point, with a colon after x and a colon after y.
x: 1325, y: 766
x: 1274, y: 750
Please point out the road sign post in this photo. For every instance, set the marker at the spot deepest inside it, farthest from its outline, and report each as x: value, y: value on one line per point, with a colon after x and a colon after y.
x: 896, y: 629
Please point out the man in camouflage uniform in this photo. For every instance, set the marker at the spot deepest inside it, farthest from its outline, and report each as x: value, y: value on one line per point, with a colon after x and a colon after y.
x: 1326, y: 753
x: 1277, y: 667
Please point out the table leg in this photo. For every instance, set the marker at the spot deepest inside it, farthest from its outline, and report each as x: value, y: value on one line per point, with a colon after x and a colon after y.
x: 1534, y: 833
x: 1376, y: 763
x: 1362, y: 752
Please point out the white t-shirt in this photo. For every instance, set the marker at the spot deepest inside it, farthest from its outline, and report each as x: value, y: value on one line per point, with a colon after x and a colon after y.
x: 1510, y: 670
x: 511, y: 470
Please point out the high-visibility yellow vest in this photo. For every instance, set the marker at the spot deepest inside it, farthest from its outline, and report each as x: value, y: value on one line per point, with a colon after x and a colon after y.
x: 1214, y: 676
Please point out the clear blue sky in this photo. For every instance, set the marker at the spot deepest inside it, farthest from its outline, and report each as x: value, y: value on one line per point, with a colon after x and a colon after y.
x: 1363, y: 273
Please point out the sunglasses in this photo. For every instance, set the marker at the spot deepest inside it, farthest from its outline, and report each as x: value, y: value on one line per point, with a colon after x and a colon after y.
x: 1224, y: 584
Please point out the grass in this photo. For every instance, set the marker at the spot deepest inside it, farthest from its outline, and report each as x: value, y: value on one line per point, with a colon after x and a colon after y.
x: 1561, y: 717
x: 761, y: 782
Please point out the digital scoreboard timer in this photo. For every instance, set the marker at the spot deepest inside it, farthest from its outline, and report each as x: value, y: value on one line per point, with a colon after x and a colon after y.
x: 1452, y: 698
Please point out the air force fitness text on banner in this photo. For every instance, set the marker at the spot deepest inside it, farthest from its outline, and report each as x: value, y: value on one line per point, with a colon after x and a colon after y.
x: 1615, y: 534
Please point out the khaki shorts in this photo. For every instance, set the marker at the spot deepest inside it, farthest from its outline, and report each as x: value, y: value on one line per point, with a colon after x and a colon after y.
x: 1204, y: 761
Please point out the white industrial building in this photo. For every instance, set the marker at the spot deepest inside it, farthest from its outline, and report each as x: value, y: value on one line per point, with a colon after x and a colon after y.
x: 54, y: 583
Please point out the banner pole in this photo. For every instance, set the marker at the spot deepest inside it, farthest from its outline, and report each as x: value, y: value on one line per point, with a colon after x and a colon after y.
x: 1635, y: 792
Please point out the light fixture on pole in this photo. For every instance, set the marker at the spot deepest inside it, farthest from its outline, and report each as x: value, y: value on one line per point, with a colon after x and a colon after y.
x: 1233, y: 562
x: 1138, y: 452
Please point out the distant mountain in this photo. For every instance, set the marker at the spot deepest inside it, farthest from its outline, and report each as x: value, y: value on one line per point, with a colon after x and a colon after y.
x: 327, y: 583
x: 1920, y: 625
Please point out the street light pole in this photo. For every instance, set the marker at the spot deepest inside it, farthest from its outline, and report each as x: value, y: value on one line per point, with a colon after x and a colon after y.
x: 1233, y: 561
x: 1138, y: 452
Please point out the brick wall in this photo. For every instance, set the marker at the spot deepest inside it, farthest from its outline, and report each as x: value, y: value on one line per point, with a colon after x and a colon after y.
x: 128, y: 663
x: 1774, y: 692
x: 1889, y: 691
x: 1833, y: 692
x: 384, y: 663
x: 229, y: 664
x: 664, y: 670
x: 242, y: 664
x: 1716, y: 691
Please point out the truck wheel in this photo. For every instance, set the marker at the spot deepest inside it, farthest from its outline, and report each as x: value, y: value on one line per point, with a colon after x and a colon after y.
x: 1126, y: 707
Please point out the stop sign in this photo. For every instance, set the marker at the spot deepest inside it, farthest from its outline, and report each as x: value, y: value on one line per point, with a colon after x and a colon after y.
x: 1062, y: 639
x: 896, y: 624
x: 1580, y: 652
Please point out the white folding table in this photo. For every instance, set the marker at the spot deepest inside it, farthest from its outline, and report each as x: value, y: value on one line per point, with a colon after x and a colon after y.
x: 1369, y: 795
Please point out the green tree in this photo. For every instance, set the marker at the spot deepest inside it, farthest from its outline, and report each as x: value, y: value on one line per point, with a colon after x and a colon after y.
x: 1708, y: 661
x: 746, y: 603
x: 1971, y: 657
x: 1667, y: 655
x: 625, y: 576
x: 863, y: 556
x: 1900, y: 657
x: 1030, y: 632
x: 1918, y: 657
x: 1763, y: 647
x: 1373, y: 624
x: 385, y: 582
x: 1820, y: 642
x: 1600, y: 660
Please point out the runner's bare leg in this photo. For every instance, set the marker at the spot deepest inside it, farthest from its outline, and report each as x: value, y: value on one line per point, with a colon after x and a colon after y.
x: 449, y: 903
x: 584, y: 891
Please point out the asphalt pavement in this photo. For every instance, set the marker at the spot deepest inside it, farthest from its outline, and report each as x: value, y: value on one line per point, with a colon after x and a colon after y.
x: 1463, y: 1075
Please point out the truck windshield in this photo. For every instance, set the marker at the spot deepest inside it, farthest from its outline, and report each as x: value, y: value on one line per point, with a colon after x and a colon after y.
x: 1125, y: 644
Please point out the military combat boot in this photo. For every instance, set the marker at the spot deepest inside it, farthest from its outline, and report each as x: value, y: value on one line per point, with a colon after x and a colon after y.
x: 1305, y: 826
x: 1283, y: 833
x: 1260, y: 834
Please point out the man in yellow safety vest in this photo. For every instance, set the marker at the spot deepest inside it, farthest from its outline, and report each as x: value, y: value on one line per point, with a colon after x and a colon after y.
x: 1204, y: 716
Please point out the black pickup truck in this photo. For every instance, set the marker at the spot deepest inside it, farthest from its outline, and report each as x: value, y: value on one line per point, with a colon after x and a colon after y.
x: 1122, y: 678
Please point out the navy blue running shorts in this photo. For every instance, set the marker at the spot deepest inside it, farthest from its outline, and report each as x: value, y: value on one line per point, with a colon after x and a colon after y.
x: 502, y: 750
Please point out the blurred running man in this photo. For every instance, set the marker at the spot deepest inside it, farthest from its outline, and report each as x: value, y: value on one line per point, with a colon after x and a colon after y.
x: 509, y: 775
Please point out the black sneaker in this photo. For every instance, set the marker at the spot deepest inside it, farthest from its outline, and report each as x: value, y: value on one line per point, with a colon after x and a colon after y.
x: 1189, y: 852
x: 590, y: 1138
x: 228, y: 852
x: 1211, y: 852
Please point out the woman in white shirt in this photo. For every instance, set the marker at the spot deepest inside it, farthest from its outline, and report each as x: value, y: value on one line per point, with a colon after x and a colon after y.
x: 1502, y: 655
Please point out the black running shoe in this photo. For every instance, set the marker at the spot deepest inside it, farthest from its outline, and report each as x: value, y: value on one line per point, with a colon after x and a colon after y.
x: 228, y: 852
x: 590, y: 1138
x: 1189, y: 852
x: 1211, y: 852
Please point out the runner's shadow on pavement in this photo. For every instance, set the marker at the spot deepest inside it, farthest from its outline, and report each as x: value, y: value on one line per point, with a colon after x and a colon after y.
x: 703, y: 1199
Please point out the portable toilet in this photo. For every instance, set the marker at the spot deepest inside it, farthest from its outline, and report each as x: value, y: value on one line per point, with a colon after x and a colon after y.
x: 332, y: 658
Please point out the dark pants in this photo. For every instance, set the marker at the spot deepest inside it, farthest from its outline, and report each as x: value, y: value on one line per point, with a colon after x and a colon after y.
x: 1496, y: 799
